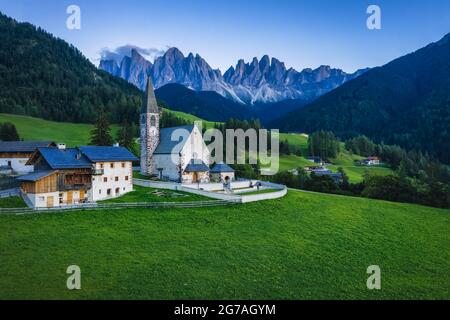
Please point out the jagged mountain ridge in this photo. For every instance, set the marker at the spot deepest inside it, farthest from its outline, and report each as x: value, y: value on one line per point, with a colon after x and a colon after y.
x: 261, y: 81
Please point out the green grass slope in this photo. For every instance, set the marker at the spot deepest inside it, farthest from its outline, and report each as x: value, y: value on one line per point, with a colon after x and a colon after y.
x: 72, y: 134
x: 303, y: 246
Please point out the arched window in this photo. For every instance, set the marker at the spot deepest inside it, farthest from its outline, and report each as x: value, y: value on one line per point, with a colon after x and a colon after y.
x: 153, y: 121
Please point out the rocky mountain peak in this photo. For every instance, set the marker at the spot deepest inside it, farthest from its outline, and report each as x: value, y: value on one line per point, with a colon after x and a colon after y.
x: 264, y: 80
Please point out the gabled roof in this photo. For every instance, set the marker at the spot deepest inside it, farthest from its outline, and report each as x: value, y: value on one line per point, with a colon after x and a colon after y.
x: 100, y: 154
x: 167, y: 146
x: 221, y: 167
x: 35, y: 176
x: 70, y: 158
x: 23, y: 146
x: 196, y: 165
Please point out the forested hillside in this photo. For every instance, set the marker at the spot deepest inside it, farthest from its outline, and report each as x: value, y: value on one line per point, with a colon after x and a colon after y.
x: 45, y: 77
x: 405, y: 102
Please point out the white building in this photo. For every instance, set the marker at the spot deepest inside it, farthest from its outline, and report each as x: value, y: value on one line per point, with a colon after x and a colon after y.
x: 222, y: 172
x: 77, y: 175
x: 177, y: 153
x: 14, y: 155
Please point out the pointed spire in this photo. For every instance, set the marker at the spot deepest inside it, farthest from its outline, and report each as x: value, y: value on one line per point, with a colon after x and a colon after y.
x: 149, y: 104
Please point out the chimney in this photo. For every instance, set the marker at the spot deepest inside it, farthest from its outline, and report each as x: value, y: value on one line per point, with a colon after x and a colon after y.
x: 61, y: 146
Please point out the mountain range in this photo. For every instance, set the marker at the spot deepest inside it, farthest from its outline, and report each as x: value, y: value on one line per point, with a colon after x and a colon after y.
x: 405, y: 102
x: 259, y: 82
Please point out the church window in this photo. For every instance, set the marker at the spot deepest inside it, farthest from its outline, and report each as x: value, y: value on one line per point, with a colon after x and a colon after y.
x: 153, y: 121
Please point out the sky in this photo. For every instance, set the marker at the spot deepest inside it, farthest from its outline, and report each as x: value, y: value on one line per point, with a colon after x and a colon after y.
x: 301, y: 33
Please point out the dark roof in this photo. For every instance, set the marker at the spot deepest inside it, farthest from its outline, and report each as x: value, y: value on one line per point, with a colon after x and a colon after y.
x: 149, y: 104
x: 167, y: 146
x: 65, y: 159
x: 35, y: 176
x: 196, y: 165
x: 23, y: 146
x: 97, y: 154
x: 221, y: 167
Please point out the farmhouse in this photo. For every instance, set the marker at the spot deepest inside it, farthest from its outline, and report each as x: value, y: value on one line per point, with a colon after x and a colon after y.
x: 67, y: 176
x: 370, y: 161
x: 178, y: 153
x: 15, y: 154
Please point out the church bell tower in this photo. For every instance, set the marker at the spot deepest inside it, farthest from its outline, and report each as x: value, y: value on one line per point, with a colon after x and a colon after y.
x: 149, y: 125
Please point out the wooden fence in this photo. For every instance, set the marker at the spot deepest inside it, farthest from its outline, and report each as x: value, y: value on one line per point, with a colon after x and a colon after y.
x: 118, y: 206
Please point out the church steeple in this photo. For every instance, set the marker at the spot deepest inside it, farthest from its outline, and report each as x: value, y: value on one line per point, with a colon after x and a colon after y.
x: 149, y: 130
x: 149, y: 104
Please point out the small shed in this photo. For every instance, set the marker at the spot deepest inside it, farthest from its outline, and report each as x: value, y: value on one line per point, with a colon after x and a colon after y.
x: 222, y: 172
x: 196, y: 172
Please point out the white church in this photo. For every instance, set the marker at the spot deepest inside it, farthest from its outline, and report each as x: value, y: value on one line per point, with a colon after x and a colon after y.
x: 178, y: 153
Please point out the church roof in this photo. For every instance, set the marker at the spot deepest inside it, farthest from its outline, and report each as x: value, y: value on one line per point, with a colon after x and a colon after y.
x: 221, y: 167
x: 149, y: 104
x: 196, y: 165
x: 166, y: 145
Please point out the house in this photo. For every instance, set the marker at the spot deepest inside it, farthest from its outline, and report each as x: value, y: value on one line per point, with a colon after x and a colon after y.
x: 317, y: 160
x: 67, y: 176
x: 176, y: 153
x: 337, y: 177
x: 112, y: 171
x: 15, y: 154
x: 370, y: 161
x: 222, y: 172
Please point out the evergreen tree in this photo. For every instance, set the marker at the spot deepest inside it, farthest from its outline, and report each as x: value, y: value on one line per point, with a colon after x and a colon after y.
x: 8, y: 132
x: 101, y: 135
x: 125, y: 135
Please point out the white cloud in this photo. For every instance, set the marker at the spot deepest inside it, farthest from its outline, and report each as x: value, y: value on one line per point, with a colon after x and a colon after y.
x: 117, y: 54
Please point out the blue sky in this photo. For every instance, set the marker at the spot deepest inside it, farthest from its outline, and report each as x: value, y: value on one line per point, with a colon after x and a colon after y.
x: 301, y: 33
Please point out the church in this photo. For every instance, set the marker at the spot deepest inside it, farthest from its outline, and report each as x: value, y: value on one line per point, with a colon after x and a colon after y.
x: 176, y: 154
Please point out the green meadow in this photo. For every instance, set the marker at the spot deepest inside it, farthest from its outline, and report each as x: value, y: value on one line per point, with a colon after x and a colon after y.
x: 35, y: 129
x: 302, y: 246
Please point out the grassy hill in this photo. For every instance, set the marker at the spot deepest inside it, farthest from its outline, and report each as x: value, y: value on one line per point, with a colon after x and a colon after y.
x: 303, y: 246
x: 72, y: 134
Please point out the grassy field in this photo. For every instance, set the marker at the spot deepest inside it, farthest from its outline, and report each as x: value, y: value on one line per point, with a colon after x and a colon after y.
x: 12, y: 202
x: 303, y: 246
x: 142, y: 194
x: 72, y: 134
x: 192, y: 118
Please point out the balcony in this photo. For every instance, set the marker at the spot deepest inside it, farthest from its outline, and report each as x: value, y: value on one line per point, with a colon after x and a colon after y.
x: 75, y: 187
x: 98, y: 172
